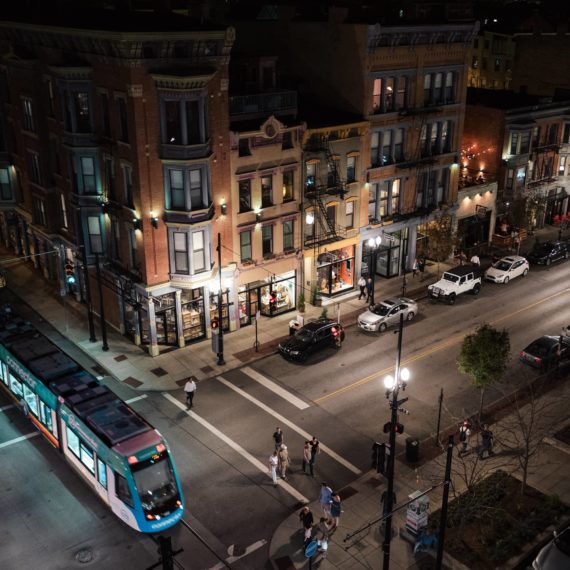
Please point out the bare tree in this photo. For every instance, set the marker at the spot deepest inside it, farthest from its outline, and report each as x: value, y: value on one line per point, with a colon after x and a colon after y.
x: 441, y: 239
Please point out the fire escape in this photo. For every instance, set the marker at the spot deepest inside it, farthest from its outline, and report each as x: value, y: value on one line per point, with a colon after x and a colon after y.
x: 325, y: 229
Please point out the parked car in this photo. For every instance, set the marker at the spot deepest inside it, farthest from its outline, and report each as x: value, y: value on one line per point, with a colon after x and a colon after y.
x: 547, y: 252
x: 387, y: 313
x: 546, y: 351
x: 455, y: 281
x: 507, y: 268
x: 556, y: 554
x: 314, y: 336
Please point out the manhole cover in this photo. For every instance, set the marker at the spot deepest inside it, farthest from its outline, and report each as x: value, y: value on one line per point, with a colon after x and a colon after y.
x: 84, y: 556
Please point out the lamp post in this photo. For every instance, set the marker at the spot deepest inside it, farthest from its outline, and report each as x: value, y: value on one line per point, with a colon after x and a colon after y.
x: 393, y: 385
x: 104, y: 346
x: 374, y: 245
x: 221, y: 360
x: 85, y: 269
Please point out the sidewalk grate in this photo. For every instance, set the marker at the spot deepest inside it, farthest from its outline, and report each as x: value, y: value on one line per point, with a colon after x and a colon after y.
x: 159, y: 371
x: 132, y: 382
x: 120, y: 358
x: 347, y: 492
x: 207, y: 369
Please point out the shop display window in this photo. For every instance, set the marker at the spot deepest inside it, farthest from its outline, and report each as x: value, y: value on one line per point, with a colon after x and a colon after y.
x: 335, y: 271
x: 214, y: 300
x: 193, y: 321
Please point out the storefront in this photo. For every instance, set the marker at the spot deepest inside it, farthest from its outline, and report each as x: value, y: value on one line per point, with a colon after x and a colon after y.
x: 390, y: 254
x: 335, y: 271
x: 256, y: 296
x: 556, y: 204
x: 476, y: 214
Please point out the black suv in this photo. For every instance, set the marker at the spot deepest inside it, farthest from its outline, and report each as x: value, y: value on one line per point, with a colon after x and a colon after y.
x: 547, y: 252
x: 314, y: 336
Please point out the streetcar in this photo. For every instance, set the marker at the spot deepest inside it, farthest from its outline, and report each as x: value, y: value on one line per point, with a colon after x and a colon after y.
x: 121, y: 457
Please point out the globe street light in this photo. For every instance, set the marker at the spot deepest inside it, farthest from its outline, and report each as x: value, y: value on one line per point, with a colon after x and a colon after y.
x: 393, y: 385
x: 374, y: 246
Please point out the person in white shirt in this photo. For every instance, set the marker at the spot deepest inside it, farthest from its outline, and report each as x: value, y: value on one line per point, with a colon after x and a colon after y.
x: 475, y: 260
x: 362, y: 285
x: 273, y: 462
x: 190, y: 390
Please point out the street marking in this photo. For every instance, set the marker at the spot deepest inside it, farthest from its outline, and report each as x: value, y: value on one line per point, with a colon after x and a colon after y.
x: 455, y: 339
x: 135, y: 399
x: 290, y: 424
x: 251, y: 548
x: 270, y: 385
x: 236, y: 447
x: 19, y: 439
x: 4, y: 408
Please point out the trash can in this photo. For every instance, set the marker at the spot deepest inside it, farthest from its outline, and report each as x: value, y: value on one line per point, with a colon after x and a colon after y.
x: 294, y: 326
x: 412, y: 450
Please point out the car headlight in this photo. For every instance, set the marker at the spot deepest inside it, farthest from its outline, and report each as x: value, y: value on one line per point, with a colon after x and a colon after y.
x: 294, y: 353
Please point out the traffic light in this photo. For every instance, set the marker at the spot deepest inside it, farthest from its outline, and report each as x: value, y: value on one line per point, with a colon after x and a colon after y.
x: 69, y: 272
x: 272, y: 301
x: 215, y: 324
x: 399, y: 428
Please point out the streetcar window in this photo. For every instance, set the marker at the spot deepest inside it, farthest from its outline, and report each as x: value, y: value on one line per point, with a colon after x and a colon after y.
x: 3, y: 373
x: 72, y: 441
x: 45, y: 416
x: 16, y: 386
x: 102, y: 473
x: 31, y: 400
x: 87, y: 458
x: 154, y: 479
x: 122, y: 490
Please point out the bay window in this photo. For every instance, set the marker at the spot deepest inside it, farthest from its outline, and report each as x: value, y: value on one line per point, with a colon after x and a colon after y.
x: 187, y: 189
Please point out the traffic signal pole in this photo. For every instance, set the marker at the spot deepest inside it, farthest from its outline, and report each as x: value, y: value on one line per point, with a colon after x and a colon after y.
x: 90, y: 321
x: 221, y: 360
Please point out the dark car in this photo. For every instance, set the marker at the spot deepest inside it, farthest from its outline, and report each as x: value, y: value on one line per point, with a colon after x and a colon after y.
x: 546, y: 351
x: 314, y: 336
x: 546, y: 253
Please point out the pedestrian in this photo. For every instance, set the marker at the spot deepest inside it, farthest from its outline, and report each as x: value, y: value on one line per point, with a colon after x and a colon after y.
x: 421, y: 267
x: 273, y: 462
x: 336, y: 509
x: 278, y: 438
x: 283, y: 456
x: 322, y: 535
x: 325, y: 497
x: 462, y: 257
x: 415, y: 268
x: 190, y: 390
x: 362, y: 285
x: 306, y: 455
x: 369, y: 290
x: 315, y: 450
x: 426, y: 539
x: 306, y: 518
x: 486, y: 442
x: 464, y: 434
x: 475, y: 260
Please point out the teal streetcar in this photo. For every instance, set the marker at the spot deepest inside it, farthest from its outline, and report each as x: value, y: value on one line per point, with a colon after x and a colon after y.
x: 120, y: 455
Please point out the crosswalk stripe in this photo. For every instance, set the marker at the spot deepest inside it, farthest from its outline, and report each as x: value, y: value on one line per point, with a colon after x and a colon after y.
x: 135, y: 399
x: 270, y: 385
x: 293, y: 426
x: 236, y: 447
x: 19, y: 439
x: 231, y: 559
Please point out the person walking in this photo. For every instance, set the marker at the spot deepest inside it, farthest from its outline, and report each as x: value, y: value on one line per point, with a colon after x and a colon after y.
x: 306, y: 455
x: 464, y: 434
x: 322, y: 535
x: 415, y: 268
x: 306, y: 518
x: 190, y: 390
x: 486, y: 442
x: 283, y: 456
x: 362, y: 285
x: 369, y: 290
x: 278, y: 438
x: 273, y: 463
x: 336, y: 510
x: 421, y: 267
x: 475, y: 260
x: 325, y: 497
x: 315, y: 450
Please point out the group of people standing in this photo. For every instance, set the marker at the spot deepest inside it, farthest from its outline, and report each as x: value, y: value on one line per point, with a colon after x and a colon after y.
x: 487, y: 440
x: 279, y: 460
x: 366, y: 288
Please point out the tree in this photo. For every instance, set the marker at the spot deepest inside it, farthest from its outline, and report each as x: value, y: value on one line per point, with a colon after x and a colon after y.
x: 484, y: 356
x: 441, y: 239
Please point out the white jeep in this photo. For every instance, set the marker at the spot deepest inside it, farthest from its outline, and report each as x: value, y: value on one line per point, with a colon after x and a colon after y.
x: 462, y: 279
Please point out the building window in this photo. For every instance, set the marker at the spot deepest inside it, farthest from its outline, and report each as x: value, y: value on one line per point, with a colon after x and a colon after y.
x: 35, y: 172
x: 128, y: 185
x: 288, y: 237
x: 88, y: 175
x: 395, y: 196
x: 350, y: 169
x: 94, y: 233
x: 267, y: 240
x: 40, y: 212
x: 439, y: 88
x: 183, y: 121
x: 81, y: 108
x: 173, y: 122
x: 51, y: 97
x: 383, y: 200
x: 5, y: 186
x: 266, y: 191
x: 187, y: 189
x: 311, y: 175
x: 497, y: 64
x: 115, y: 240
x: 243, y: 147
x: 566, y: 135
x: 510, y: 177
x: 309, y: 224
x: 524, y: 143
x: 389, y: 94
x: 398, y: 145
x: 244, y: 195
x: 288, y: 178
x: 372, y: 202
x: 514, y: 143
x: 562, y: 166
x: 245, y: 246
x: 475, y: 62
x: 553, y: 134
x: 198, y: 252
x: 123, y: 120
x: 109, y: 166
x: 105, y: 115
x: 287, y: 141
x: 133, y: 250
x: 28, y: 115
x: 181, y: 265
x: 535, y: 137
x: 63, y: 210
x: 349, y: 215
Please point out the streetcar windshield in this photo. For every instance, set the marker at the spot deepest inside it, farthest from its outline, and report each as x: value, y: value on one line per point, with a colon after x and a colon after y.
x: 155, y: 481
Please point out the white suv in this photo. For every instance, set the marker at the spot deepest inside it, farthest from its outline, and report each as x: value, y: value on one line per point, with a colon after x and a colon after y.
x: 455, y: 281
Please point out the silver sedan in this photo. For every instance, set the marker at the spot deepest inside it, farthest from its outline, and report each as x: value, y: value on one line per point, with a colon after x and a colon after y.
x: 387, y: 313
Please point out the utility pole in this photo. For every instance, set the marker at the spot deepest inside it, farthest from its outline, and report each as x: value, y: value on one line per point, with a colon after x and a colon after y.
x: 104, y: 346
x: 221, y: 360
x: 444, y: 504
x: 91, y: 323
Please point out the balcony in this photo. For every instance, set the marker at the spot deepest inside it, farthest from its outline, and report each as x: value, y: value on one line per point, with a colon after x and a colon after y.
x: 191, y: 217
x: 263, y: 104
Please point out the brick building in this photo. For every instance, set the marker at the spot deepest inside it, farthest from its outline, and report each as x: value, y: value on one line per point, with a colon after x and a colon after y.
x: 114, y: 152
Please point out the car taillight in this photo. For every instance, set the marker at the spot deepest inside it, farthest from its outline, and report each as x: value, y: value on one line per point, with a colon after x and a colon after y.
x: 537, y: 359
x: 521, y: 354
x: 334, y: 331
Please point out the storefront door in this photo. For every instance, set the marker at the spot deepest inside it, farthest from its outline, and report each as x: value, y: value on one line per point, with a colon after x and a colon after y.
x: 166, y: 327
x: 248, y: 305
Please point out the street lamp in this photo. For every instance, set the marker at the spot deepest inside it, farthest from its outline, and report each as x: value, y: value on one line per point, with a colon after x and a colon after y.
x: 374, y: 245
x: 393, y: 385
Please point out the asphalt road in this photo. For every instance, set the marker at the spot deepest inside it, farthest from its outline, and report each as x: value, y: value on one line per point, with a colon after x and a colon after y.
x: 221, y: 447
